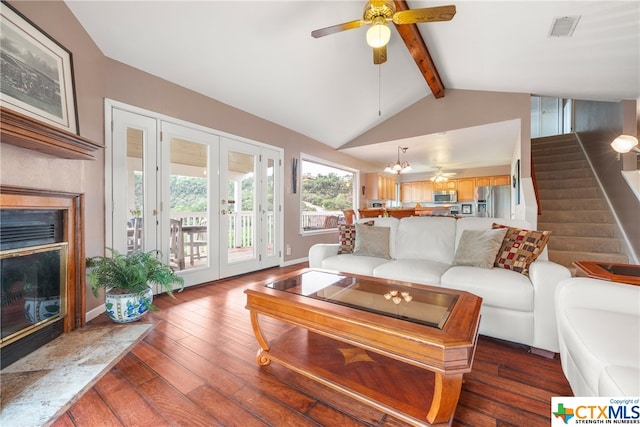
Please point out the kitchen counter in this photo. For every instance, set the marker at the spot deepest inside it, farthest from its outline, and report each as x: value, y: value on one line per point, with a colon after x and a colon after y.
x: 395, y: 212
x: 404, y: 212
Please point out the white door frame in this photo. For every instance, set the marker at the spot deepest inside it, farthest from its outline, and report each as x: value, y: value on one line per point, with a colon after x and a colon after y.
x: 110, y: 223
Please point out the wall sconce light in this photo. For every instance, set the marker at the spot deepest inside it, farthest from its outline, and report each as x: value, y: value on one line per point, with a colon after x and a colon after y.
x: 625, y: 144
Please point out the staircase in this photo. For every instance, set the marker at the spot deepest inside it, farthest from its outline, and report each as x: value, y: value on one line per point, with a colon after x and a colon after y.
x: 572, y: 205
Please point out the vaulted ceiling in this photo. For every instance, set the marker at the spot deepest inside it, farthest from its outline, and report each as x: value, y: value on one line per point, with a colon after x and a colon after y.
x: 259, y: 56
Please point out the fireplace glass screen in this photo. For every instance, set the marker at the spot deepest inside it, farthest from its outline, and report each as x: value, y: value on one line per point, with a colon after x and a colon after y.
x: 32, y: 289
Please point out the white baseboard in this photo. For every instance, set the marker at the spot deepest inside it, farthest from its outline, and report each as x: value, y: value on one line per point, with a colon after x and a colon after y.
x: 294, y: 261
x: 92, y: 314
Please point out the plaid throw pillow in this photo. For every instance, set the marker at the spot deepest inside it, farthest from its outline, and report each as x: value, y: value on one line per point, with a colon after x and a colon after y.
x: 520, y: 248
x: 348, y: 237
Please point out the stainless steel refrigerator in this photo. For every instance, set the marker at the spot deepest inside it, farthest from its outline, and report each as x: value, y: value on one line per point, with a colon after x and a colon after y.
x: 494, y: 201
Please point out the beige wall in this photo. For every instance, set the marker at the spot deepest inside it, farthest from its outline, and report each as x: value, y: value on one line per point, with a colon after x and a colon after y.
x: 597, y: 124
x: 27, y: 168
x: 97, y: 77
x: 140, y: 89
x: 458, y: 109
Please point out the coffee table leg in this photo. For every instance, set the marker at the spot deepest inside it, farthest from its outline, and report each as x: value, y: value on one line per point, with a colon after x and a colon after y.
x: 445, y: 398
x: 262, y: 358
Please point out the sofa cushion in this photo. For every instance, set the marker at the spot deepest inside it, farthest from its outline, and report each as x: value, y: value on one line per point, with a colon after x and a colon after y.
x: 478, y: 248
x: 428, y: 238
x: 353, y: 264
x: 412, y: 270
x: 372, y: 241
x: 390, y: 222
x: 497, y: 287
x: 520, y: 248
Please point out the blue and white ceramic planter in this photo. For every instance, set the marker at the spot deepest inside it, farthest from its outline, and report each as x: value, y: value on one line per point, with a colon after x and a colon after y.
x: 38, y: 309
x: 126, y: 308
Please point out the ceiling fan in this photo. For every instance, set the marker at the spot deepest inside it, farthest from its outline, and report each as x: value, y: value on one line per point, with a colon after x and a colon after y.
x: 441, y: 176
x: 377, y: 14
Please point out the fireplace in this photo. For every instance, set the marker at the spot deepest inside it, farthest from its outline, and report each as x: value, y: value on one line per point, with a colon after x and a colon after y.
x: 41, y: 269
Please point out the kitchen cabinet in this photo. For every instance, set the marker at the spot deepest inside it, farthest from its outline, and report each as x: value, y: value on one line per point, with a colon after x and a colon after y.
x: 406, y: 192
x: 466, y: 189
x: 426, y: 191
x: 451, y: 184
x: 417, y: 191
x: 483, y: 181
x: 380, y: 187
x: 422, y: 191
x: 501, y: 180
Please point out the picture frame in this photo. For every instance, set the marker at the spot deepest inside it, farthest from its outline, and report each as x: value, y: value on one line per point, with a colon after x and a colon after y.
x: 294, y: 175
x: 516, y: 182
x: 467, y: 209
x: 37, y: 72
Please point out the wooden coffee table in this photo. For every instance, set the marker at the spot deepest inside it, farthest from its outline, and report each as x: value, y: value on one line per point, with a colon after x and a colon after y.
x: 399, y: 347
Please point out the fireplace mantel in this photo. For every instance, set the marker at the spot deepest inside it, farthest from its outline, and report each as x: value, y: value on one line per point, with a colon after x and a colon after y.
x: 23, y: 131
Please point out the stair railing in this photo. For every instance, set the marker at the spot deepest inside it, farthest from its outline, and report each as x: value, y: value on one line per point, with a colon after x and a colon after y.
x: 535, y: 186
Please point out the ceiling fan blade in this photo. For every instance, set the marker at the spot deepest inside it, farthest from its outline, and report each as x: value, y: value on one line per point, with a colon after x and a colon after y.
x: 428, y: 14
x: 337, y: 28
x: 380, y: 55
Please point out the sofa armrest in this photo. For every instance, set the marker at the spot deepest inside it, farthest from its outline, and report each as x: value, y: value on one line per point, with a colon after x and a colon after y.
x: 320, y: 251
x: 545, y: 276
x: 596, y: 294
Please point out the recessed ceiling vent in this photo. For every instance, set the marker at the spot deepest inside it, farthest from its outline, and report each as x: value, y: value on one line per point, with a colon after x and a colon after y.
x: 564, y: 26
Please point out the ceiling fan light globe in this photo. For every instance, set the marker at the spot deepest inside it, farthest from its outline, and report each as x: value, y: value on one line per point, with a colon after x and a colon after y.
x: 388, y: 169
x: 397, y: 167
x: 378, y: 35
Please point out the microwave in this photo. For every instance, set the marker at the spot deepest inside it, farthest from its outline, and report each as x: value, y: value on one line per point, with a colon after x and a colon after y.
x: 449, y: 196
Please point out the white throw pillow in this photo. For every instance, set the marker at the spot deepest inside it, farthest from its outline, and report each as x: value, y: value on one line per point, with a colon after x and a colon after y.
x: 478, y: 248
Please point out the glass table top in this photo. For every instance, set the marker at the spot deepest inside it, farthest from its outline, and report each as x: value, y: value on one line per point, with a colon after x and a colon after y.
x: 422, y: 306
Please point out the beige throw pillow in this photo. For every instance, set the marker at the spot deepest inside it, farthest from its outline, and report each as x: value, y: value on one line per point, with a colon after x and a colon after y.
x: 372, y: 241
x: 479, y: 248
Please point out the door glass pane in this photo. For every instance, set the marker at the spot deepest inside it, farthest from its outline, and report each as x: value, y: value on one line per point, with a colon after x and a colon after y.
x: 270, y: 209
x: 188, y: 190
x: 135, y: 189
x: 241, y: 207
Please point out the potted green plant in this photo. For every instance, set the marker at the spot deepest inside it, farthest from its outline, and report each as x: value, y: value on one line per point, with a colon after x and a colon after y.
x: 127, y: 280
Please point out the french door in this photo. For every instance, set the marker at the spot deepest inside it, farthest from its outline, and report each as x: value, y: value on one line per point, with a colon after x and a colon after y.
x: 188, y: 191
x: 211, y: 204
x: 249, y: 189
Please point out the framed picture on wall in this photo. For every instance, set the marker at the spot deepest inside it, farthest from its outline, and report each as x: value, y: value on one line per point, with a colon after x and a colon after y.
x: 37, y: 72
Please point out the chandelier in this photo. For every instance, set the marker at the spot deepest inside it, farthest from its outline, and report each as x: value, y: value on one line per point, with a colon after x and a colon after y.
x: 398, y: 167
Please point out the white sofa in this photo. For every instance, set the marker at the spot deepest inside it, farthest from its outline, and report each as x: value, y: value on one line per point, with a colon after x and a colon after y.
x: 515, y: 307
x: 599, y: 332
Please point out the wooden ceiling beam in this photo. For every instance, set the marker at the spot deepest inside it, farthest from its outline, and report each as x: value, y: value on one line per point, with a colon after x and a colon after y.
x: 418, y: 49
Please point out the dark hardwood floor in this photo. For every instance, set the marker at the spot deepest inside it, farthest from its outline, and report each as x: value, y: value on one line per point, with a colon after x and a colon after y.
x: 197, y: 367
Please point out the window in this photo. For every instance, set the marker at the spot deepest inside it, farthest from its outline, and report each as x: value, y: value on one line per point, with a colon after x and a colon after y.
x: 326, y: 189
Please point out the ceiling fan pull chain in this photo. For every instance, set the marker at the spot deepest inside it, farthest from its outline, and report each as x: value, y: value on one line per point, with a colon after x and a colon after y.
x: 379, y: 90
